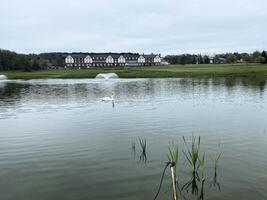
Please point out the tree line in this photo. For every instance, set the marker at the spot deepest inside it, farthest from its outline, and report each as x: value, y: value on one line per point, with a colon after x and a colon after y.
x: 10, y: 60
x: 13, y: 61
x: 255, y: 57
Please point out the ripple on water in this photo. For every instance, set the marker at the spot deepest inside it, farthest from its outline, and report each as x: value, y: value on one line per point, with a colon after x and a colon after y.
x: 58, y: 141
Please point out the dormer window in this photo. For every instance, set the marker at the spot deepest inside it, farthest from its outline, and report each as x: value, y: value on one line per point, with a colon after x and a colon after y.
x: 109, y: 59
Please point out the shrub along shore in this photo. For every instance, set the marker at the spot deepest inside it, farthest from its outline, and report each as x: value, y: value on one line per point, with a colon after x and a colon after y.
x: 171, y: 71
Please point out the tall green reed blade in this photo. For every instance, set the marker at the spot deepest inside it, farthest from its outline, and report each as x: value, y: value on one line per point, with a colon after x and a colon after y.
x: 192, y: 153
x: 202, y: 162
x: 216, y: 164
x: 202, y: 165
x: 216, y: 161
x: 173, y: 155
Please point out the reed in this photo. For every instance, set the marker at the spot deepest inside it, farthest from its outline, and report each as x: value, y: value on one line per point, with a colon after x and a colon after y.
x: 143, y: 146
x: 192, y: 153
x: 173, y: 155
x: 215, y: 182
x: 216, y: 162
x: 202, y: 165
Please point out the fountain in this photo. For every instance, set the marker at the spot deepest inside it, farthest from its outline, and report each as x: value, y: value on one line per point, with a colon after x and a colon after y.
x: 107, y: 76
x: 3, y: 77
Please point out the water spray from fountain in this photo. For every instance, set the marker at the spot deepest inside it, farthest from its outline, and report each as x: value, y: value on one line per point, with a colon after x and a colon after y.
x: 107, y: 76
x: 3, y: 77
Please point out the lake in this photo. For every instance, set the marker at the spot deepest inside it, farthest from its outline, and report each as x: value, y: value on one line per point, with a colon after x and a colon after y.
x: 58, y: 140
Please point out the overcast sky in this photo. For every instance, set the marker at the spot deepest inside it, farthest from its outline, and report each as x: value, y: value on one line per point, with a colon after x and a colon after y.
x: 144, y: 26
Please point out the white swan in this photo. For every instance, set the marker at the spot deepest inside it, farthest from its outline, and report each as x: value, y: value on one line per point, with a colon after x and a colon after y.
x: 108, y: 98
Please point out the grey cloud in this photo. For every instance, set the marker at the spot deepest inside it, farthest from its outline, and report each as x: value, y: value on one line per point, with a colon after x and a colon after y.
x: 166, y: 26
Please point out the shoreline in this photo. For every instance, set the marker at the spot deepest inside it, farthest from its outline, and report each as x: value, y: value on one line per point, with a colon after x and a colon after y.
x: 171, y: 71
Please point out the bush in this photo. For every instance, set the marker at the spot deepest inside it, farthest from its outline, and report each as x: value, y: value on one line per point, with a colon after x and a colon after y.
x: 260, y: 59
x: 231, y: 58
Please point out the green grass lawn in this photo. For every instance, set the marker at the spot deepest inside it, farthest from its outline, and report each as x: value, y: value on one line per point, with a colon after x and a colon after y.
x: 204, y: 70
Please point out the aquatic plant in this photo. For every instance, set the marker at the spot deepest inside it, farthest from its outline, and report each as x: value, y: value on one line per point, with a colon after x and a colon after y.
x: 202, y: 162
x: 192, y: 183
x: 202, y: 168
x: 142, y: 143
x: 197, y: 161
x: 215, y: 182
x: 216, y: 162
x: 133, y: 149
x: 201, y: 197
x: 192, y: 153
x: 143, y: 146
x: 173, y: 155
x: 202, y: 165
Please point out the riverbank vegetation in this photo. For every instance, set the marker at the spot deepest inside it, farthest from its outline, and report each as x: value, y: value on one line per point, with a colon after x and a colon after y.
x: 51, y: 65
x: 179, y: 71
x: 255, y: 57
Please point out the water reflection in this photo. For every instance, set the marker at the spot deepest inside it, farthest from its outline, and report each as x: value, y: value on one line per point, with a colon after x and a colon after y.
x: 215, y: 182
x: 195, y: 187
x: 133, y: 149
x: 59, y: 141
x: 143, y: 157
x: 192, y: 184
x: 54, y: 91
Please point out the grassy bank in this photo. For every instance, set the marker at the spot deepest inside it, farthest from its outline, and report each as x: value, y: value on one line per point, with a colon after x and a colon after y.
x: 208, y: 70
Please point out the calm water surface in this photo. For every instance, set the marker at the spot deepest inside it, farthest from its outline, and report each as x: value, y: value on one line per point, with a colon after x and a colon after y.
x: 59, y: 141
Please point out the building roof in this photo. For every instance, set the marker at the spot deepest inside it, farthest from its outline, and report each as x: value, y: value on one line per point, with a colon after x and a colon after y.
x: 150, y: 55
x: 77, y: 56
x: 103, y: 56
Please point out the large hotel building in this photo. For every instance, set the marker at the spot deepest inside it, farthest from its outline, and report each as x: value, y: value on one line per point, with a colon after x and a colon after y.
x: 84, y: 60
